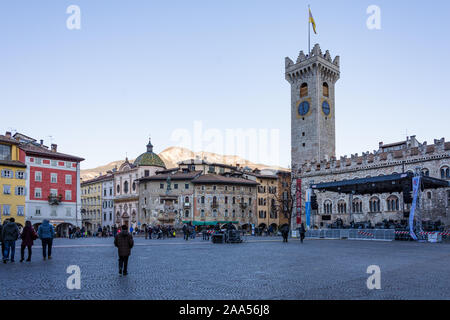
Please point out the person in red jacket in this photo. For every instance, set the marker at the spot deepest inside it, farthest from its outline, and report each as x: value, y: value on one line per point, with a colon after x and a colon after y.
x: 28, y: 236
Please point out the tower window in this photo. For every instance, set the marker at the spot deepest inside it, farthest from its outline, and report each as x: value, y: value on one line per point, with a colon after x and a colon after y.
x: 303, y: 134
x: 326, y: 91
x: 304, y: 90
x: 304, y: 145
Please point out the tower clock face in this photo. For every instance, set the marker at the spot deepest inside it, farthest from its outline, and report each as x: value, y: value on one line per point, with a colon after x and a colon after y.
x: 303, y: 108
x: 326, y: 108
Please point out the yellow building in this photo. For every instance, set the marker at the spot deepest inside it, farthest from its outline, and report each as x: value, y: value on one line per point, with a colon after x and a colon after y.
x: 91, y: 203
x: 12, y: 180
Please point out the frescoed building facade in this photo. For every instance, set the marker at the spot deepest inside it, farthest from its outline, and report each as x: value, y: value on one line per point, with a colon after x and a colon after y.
x: 126, y: 185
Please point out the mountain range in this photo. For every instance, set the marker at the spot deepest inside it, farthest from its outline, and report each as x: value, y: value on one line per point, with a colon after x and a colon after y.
x: 172, y: 155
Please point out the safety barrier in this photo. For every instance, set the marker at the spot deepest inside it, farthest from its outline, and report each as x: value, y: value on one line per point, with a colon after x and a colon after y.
x: 431, y: 236
x: 352, y: 234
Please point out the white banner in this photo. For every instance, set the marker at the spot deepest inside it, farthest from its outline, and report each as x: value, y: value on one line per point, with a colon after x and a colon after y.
x: 416, y: 185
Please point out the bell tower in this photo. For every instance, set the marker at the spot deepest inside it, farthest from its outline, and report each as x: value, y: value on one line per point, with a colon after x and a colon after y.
x: 312, y: 78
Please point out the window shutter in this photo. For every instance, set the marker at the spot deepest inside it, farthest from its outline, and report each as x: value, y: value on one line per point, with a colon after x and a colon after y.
x: 24, y: 191
x: 3, y: 173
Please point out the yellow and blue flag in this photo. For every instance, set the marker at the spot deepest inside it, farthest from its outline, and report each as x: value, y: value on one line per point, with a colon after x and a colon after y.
x: 311, y: 20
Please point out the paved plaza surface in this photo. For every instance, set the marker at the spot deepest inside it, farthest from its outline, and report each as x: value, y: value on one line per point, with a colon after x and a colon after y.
x: 261, y: 268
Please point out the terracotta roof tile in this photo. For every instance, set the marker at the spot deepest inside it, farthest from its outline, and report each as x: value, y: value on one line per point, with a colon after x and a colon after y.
x: 218, y: 179
x: 40, y: 151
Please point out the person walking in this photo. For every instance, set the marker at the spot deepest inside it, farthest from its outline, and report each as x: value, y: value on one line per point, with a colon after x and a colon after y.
x: 46, y: 233
x: 1, y: 238
x: 150, y: 231
x: 10, y: 234
x: 302, y: 232
x: 285, y: 232
x: 185, y: 232
x: 28, y: 236
x: 124, y: 242
x: 192, y: 231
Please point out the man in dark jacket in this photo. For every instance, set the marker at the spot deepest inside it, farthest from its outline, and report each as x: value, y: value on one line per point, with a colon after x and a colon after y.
x: 285, y: 232
x: 124, y: 242
x: 10, y: 234
x: 46, y: 233
x: 186, y: 232
x: 302, y: 232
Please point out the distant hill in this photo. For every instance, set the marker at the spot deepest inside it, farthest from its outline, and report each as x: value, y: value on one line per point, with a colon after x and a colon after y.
x: 172, y: 155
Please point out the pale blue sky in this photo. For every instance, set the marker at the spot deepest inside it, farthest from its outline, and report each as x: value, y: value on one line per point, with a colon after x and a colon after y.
x: 149, y: 67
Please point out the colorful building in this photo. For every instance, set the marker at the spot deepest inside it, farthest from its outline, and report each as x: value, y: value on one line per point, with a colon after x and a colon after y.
x: 12, y: 180
x: 53, y: 181
x: 91, y: 204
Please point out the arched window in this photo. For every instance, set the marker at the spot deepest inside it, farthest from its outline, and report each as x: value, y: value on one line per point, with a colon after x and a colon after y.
x: 426, y: 172
x: 326, y: 91
x: 445, y: 172
x: 186, y: 214
x: 374, y: 204
x: 392, y: 203
x: 342, y: 206
x: 304, y: 90
x: 125, y: 187
x: 202, y: 199
x: 134, y: 186
x: 202, y: 213
x: 327, y: 207
x: 186, y: 199
x: 226, y: 213
x: 118, y: 188
x: 357, y: 205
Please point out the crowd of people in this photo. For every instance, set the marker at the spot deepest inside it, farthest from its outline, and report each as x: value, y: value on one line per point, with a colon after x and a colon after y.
x: 10, y: 233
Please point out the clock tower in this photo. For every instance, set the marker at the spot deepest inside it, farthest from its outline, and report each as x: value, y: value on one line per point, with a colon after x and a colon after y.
x: 312, y: 78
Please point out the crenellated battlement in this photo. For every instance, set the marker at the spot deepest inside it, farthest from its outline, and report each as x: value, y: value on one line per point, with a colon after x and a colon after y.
x: 408, y: 151
x: 307, y: 63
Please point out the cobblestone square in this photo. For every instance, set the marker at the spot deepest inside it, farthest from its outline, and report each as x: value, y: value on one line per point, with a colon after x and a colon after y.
x: 260, y: 268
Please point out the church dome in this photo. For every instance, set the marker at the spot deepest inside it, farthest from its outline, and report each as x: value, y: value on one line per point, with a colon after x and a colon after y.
x: 149, y: 158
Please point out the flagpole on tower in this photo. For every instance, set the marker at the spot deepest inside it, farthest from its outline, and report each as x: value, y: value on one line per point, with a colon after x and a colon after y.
x: 309, y: 31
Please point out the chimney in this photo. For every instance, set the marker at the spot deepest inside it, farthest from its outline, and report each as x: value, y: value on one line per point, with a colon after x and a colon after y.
x: 42, y: 142
x: 54, y: 147
x: 8, y: 134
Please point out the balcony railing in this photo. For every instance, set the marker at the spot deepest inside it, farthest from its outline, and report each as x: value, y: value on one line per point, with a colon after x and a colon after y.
x: 54, y: 199
x: 187, y: 205
x: 243, y: 205
x: 214, y: 205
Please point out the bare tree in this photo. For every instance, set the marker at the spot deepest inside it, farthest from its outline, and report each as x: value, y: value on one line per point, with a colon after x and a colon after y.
x: 286, y: 201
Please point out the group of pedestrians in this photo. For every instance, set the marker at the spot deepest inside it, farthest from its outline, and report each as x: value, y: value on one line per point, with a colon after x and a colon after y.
x: 9, y: 234
x: 188, y: 231
x: 159, y: 232
x: 285, y: 232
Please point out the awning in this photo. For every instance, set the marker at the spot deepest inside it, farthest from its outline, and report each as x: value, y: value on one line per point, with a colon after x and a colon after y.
x: 381, y: 184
